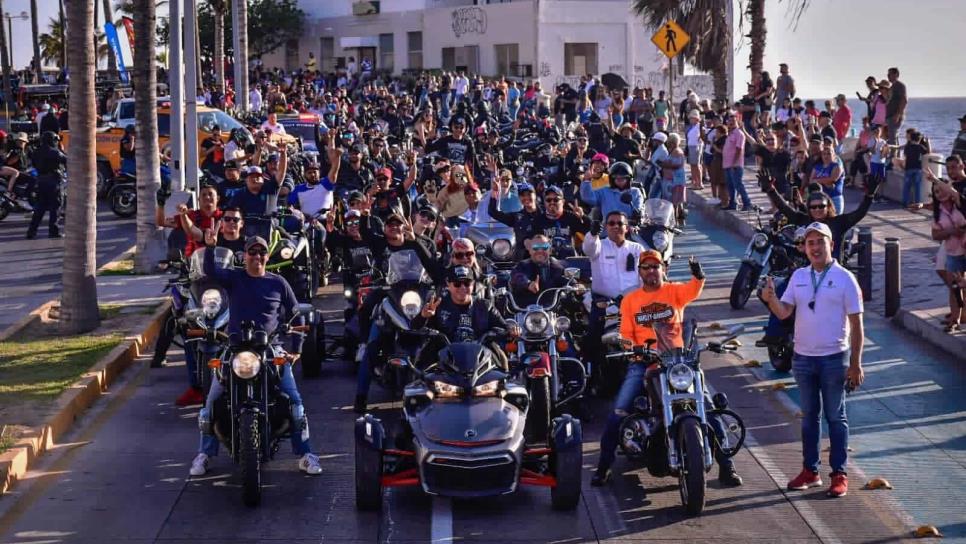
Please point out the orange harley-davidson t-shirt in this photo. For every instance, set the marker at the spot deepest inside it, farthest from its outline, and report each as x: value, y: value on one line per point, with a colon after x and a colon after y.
x: 641, y: 309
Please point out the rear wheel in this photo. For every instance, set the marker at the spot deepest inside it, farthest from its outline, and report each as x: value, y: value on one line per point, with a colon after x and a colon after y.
x: 250, y: 458
x: 4, y: 210
x: 311, y: 354
x: 568, y: 469
x: 780, y: 357
x: 691, y: 475
x: 124, y: 202
x: 537, y: 426
x: 744, y: 284
x: 368, y: 477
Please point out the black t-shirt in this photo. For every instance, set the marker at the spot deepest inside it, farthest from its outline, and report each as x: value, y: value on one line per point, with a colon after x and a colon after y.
x: 776, y: 162
x: 746, y: 115
x: 353, y: 179
x: 217, y: 157
x: 570, y: 104
x: 125, y: 154
x: 913, y: 153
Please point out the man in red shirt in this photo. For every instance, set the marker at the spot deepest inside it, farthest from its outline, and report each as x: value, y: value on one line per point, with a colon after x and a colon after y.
x: 842, y: 120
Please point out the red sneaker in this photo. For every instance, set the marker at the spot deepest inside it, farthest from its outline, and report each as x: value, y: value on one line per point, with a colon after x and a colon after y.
x: 189, y: 397
x: 805, y: 480
x: 840, y: 485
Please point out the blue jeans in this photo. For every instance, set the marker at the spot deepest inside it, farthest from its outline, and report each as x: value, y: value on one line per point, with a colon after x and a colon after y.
x: 821, y: 381
x: 191, y: 364
x: 911, y: 182
x: 300, y: 446
x: 736, y: 186
x: 364, y: 377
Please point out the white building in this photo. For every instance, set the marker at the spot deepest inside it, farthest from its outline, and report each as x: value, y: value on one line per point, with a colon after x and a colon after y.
x: 550, y: 40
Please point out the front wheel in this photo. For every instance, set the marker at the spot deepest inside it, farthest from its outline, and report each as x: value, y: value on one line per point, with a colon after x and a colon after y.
x: 691, y: 475
x: 250, y: 458
x: 780, y: 357
x: 744, y: 284
x: 537, y: 426
x: 124, y: 202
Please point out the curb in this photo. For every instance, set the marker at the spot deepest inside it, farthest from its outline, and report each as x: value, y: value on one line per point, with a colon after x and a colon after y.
x: 906, y: 319
x: 15, y: 462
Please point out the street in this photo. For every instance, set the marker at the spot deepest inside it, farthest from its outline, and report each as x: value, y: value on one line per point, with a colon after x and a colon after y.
x: 121, y: 476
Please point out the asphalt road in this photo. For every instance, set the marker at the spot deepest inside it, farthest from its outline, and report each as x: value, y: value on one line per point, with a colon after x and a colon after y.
x: 122, y: 475
x: 31, y: 269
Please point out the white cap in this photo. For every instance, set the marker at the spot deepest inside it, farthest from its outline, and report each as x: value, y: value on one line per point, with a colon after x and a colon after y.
x: 820, y: 228
x: 659, y: 136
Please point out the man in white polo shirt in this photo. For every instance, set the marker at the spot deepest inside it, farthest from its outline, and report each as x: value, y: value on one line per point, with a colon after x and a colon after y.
x: 827, y: 304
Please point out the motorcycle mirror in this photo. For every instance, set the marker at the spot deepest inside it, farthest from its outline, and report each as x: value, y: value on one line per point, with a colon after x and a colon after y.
x: 193, y: 314
x: 571, y: 273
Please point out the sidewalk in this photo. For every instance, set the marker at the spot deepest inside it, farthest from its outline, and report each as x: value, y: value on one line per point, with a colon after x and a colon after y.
x: 924, y: 296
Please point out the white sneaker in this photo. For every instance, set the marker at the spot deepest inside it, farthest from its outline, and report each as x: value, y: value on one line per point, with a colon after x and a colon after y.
x: 713, y: 201
x: 199, y: 466
x: 309, y: 464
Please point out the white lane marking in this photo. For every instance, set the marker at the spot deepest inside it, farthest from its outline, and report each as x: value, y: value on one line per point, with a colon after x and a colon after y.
x: 442, y: 522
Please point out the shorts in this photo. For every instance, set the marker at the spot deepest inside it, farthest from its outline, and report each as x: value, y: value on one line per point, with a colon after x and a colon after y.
x: 694, y: 154
x: 941, y: 257
x: 955, y: 264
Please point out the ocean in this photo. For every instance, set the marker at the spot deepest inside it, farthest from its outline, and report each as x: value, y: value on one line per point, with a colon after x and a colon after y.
x: 936, y: 118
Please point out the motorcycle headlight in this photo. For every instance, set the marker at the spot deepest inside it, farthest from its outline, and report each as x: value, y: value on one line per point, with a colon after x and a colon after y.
x: 488, y: 389
x: 536, y: 322
x: 347, y: 293
x: 562, y: 324
x: 286, y: 251
x: 246, y: 365
x: 661, y: 240
x: 680, y: 376
x: 447, y: 390
x: 411, y: 303
x: 211, y: 302
x: 501, y: 248
x: 759, y: 240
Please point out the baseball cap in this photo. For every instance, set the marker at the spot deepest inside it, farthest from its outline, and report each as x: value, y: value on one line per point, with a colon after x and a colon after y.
x: 353, y: 213
x: 659, y: 136
x: 395, y: 216
x: 650, y: 255
x: 524, y: 187
x: 820, y: 228
x: 253, y: 170
x: 455, y: 273
x: 815, y: 138
x: 312, y: 165
x: 21, y: 136
x: 600, y: 157
x: 253, y: 241
x: 273, y: 157
x: 384, y: 172
x: 963, y: 118
x: 357, y: 148
x: 553, y: 189
x: 231, y: 165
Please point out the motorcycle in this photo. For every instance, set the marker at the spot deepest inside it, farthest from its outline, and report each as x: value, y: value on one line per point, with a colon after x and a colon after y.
x: 253, y: 415
x: 20, y: 200
x: 656, y: 229
x: 206, y: 314
x: 668, y: 430
x: 463, y: 436
x: 770, y: 251
x: 551, y: 378
x: 494, y: 247
x: 121, y: 191
x: 359, y: 280
x: 607, y: 377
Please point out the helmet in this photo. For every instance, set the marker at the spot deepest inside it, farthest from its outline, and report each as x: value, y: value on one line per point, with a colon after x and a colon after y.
x: 129, y: 129
x: 621, y: 169
x: 49, y: 139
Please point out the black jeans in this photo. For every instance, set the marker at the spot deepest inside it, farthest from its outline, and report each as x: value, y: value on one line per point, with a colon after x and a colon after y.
x: 48, y: 201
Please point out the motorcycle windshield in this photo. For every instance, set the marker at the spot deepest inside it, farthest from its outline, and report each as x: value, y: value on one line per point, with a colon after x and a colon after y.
x: 473, y: 419
x: 659, y: 212
x: 259, y: 226
x: 224, y: 258
x: 668, y: 335
x: 484, y: 234
x: 405, y: 266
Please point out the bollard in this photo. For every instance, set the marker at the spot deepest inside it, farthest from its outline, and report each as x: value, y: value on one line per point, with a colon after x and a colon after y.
x: 893, y: 277
x: 865, y: 263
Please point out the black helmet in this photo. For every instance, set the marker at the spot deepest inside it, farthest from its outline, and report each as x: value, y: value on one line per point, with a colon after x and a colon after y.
x: 621, y: 169
x: 49, y: 139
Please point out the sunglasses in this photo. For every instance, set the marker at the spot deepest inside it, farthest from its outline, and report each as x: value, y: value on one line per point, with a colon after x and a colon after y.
x: 352, y: 223
x: 462, y: 283
x: 551, y: 200
x: 817, y: 207
x: 462, y: 254
x: 615, y: 223
x: 230, y: 219
x: 257, y: 252
x: 540, y: 247
x: 649, y: 267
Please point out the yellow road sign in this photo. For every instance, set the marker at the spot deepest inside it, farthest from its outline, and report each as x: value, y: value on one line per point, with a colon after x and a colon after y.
x: 670, y: 39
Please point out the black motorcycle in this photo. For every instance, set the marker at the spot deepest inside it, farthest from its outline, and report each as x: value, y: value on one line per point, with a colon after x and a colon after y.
x: 22, y: 198
x: 770, y: 251
x: 121, y: 193
x: 253, y: 416
x: 206, y: 314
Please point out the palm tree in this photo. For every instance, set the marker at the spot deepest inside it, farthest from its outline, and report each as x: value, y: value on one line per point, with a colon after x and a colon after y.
x: 52, y: 43
x: 240, y: 19
x: 78, y: 302
x: 149, y: 237
x: 218, y: 8
x: 34, y: 35
x: 707, y: 24
x: 754, y: 11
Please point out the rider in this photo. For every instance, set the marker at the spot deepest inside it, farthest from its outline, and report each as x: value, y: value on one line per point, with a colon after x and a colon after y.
x: 538, y: 273
x: 127, y: 150
x: 50, y: 162
x: 233, y: 183
x: 259, y: 193
x: 657, y: 301
x: 556, y: 223
x: 522, y: 221
x: 264, y: 299
x: 619, y: 196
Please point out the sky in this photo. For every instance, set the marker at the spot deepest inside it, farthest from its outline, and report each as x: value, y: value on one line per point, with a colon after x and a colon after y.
x: 837, y: 43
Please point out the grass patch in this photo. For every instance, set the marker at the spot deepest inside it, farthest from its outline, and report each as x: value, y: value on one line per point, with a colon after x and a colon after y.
x: 123, y: 267
x: 6, y: 441
x: 109, y: 311
x: 41, y: 368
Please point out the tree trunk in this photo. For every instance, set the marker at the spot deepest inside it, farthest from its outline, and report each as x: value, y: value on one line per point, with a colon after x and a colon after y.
x: 78, y: 302
x: 757, y: 35
x: 720, y: 80
x: 219, y: 57
x: 241, y: 54
x: 63, y: 26
x: 150, y: 246
x: 111, y: 59
x: 35, y: 36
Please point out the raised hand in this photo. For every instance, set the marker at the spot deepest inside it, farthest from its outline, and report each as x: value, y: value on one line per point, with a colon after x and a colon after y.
x: 534, y: 286
x: 211, y: 235
x: 429, y: 309
x: 408, y: 232
x: 768, y: 293
x: 696, y: 270
x: 578, y: 211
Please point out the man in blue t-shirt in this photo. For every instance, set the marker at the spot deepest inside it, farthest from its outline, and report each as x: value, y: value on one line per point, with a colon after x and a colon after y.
x: 260, y: 195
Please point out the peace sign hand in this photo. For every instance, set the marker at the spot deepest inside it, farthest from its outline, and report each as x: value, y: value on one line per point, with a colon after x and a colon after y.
x: 211, y: 235
x: 578, y: 211
x: 429, y: 309
x: 408, y: 232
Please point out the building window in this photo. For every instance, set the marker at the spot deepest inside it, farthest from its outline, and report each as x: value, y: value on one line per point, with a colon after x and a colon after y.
x: 327, y: 55
x: 580, y: 59
x: 449, y: 58
x: 415, y: 50
x: 386, y: 52
x: 292, y: 55
x: 507, y: 59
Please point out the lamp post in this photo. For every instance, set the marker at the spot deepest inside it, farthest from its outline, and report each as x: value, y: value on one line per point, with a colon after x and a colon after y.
x: 23, y: 16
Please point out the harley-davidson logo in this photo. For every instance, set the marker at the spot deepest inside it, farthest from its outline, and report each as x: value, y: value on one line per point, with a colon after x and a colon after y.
x: 470, y: 433
x: 655, y: 311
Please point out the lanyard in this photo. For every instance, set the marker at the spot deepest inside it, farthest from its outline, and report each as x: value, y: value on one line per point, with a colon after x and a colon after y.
x: 817, y: 283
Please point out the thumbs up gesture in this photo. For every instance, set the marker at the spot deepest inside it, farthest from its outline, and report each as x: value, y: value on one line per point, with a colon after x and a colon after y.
x: 534, y: 286
x: 768, y: 293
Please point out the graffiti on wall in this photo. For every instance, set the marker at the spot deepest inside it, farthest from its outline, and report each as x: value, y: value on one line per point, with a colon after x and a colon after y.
x: 573, y: 81
x: 544, y: 69
x: 615, y: 68
x: 702, y: 84
x: 469, y: 20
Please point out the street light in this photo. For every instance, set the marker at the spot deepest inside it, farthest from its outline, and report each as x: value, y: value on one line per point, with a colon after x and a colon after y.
x: 23, y: 16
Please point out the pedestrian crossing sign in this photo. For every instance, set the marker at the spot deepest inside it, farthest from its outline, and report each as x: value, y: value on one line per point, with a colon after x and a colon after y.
x: 670, y: 39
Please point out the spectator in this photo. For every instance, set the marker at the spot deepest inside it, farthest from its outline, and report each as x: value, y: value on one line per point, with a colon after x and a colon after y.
x: 916, y: 147
x: 733, y: 162
x: 842, y: 119
x: 959, y: 145
x: 896, y: 107
x: 949, y: 227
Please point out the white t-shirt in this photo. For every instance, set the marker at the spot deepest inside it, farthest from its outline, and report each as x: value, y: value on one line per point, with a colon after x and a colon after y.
x: 823, y: 330
x: 277, y: 128
x: 693, y: 135
x: 462, y: 83
x: 255, y: 99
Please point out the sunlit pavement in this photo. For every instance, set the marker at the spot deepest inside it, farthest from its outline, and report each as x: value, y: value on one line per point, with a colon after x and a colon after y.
x: 122, y: 476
